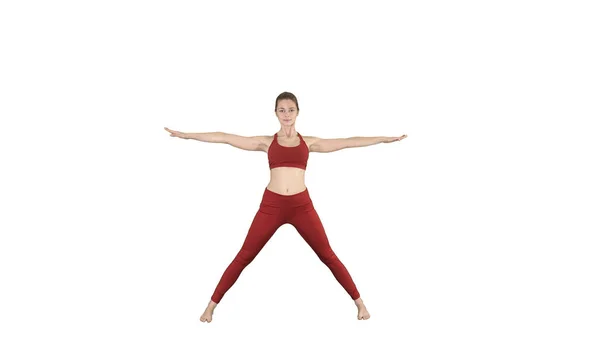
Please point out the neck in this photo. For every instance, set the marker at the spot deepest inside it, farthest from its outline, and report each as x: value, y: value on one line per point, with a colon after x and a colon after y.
x: 288, y: 131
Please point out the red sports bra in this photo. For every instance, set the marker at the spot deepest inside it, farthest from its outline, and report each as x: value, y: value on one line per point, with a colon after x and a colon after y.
x: 288, y: 156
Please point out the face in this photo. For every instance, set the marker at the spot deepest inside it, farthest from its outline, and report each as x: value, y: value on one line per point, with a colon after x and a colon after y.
x: 287, y: 111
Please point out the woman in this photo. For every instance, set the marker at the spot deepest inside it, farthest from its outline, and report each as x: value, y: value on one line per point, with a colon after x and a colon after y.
x: 286, y: 198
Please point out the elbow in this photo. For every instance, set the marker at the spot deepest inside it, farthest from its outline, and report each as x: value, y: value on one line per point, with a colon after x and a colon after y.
x: 221, y: 137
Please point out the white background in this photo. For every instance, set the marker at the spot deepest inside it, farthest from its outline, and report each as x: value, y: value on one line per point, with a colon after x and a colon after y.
x: 483, y: 222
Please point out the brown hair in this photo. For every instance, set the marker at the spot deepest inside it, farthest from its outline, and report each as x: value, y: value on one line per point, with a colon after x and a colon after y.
x: 286, y: 95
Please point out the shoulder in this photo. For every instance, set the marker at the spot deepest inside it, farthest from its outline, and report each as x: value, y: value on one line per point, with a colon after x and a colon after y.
x: 265, y: 141
x: 310, y: 140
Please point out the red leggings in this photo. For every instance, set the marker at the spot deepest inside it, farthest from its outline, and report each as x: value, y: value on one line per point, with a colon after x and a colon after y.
x: 275, y: 210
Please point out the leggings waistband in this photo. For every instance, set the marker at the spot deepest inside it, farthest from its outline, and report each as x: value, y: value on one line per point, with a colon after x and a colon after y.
x: 276, y: 199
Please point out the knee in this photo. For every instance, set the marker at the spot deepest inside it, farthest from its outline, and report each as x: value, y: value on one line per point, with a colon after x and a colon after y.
x: 244, y: 257
x: 328, y: 257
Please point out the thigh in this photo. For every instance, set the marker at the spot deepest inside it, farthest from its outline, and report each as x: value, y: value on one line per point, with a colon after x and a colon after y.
x: 265, y: 223
x: 308, y: 224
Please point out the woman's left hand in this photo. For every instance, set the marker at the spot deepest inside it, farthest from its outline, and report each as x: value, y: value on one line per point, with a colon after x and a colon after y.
x: 394, y: 139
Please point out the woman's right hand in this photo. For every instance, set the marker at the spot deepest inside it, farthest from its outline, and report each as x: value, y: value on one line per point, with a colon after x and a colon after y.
x: 178, y: 134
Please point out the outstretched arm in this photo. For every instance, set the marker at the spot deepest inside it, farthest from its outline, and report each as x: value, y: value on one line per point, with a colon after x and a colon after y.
x: 256, y: 143
x: 335, y: 144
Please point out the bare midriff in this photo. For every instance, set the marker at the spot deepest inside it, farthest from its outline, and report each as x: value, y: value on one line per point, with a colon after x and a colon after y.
x: 287, y: 180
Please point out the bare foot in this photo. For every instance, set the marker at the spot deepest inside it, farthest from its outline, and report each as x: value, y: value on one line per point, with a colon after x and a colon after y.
x: 207, y: 315
x: 363, y: 314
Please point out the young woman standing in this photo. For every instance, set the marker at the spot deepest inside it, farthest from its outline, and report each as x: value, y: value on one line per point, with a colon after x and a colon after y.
x: 286, y: 198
